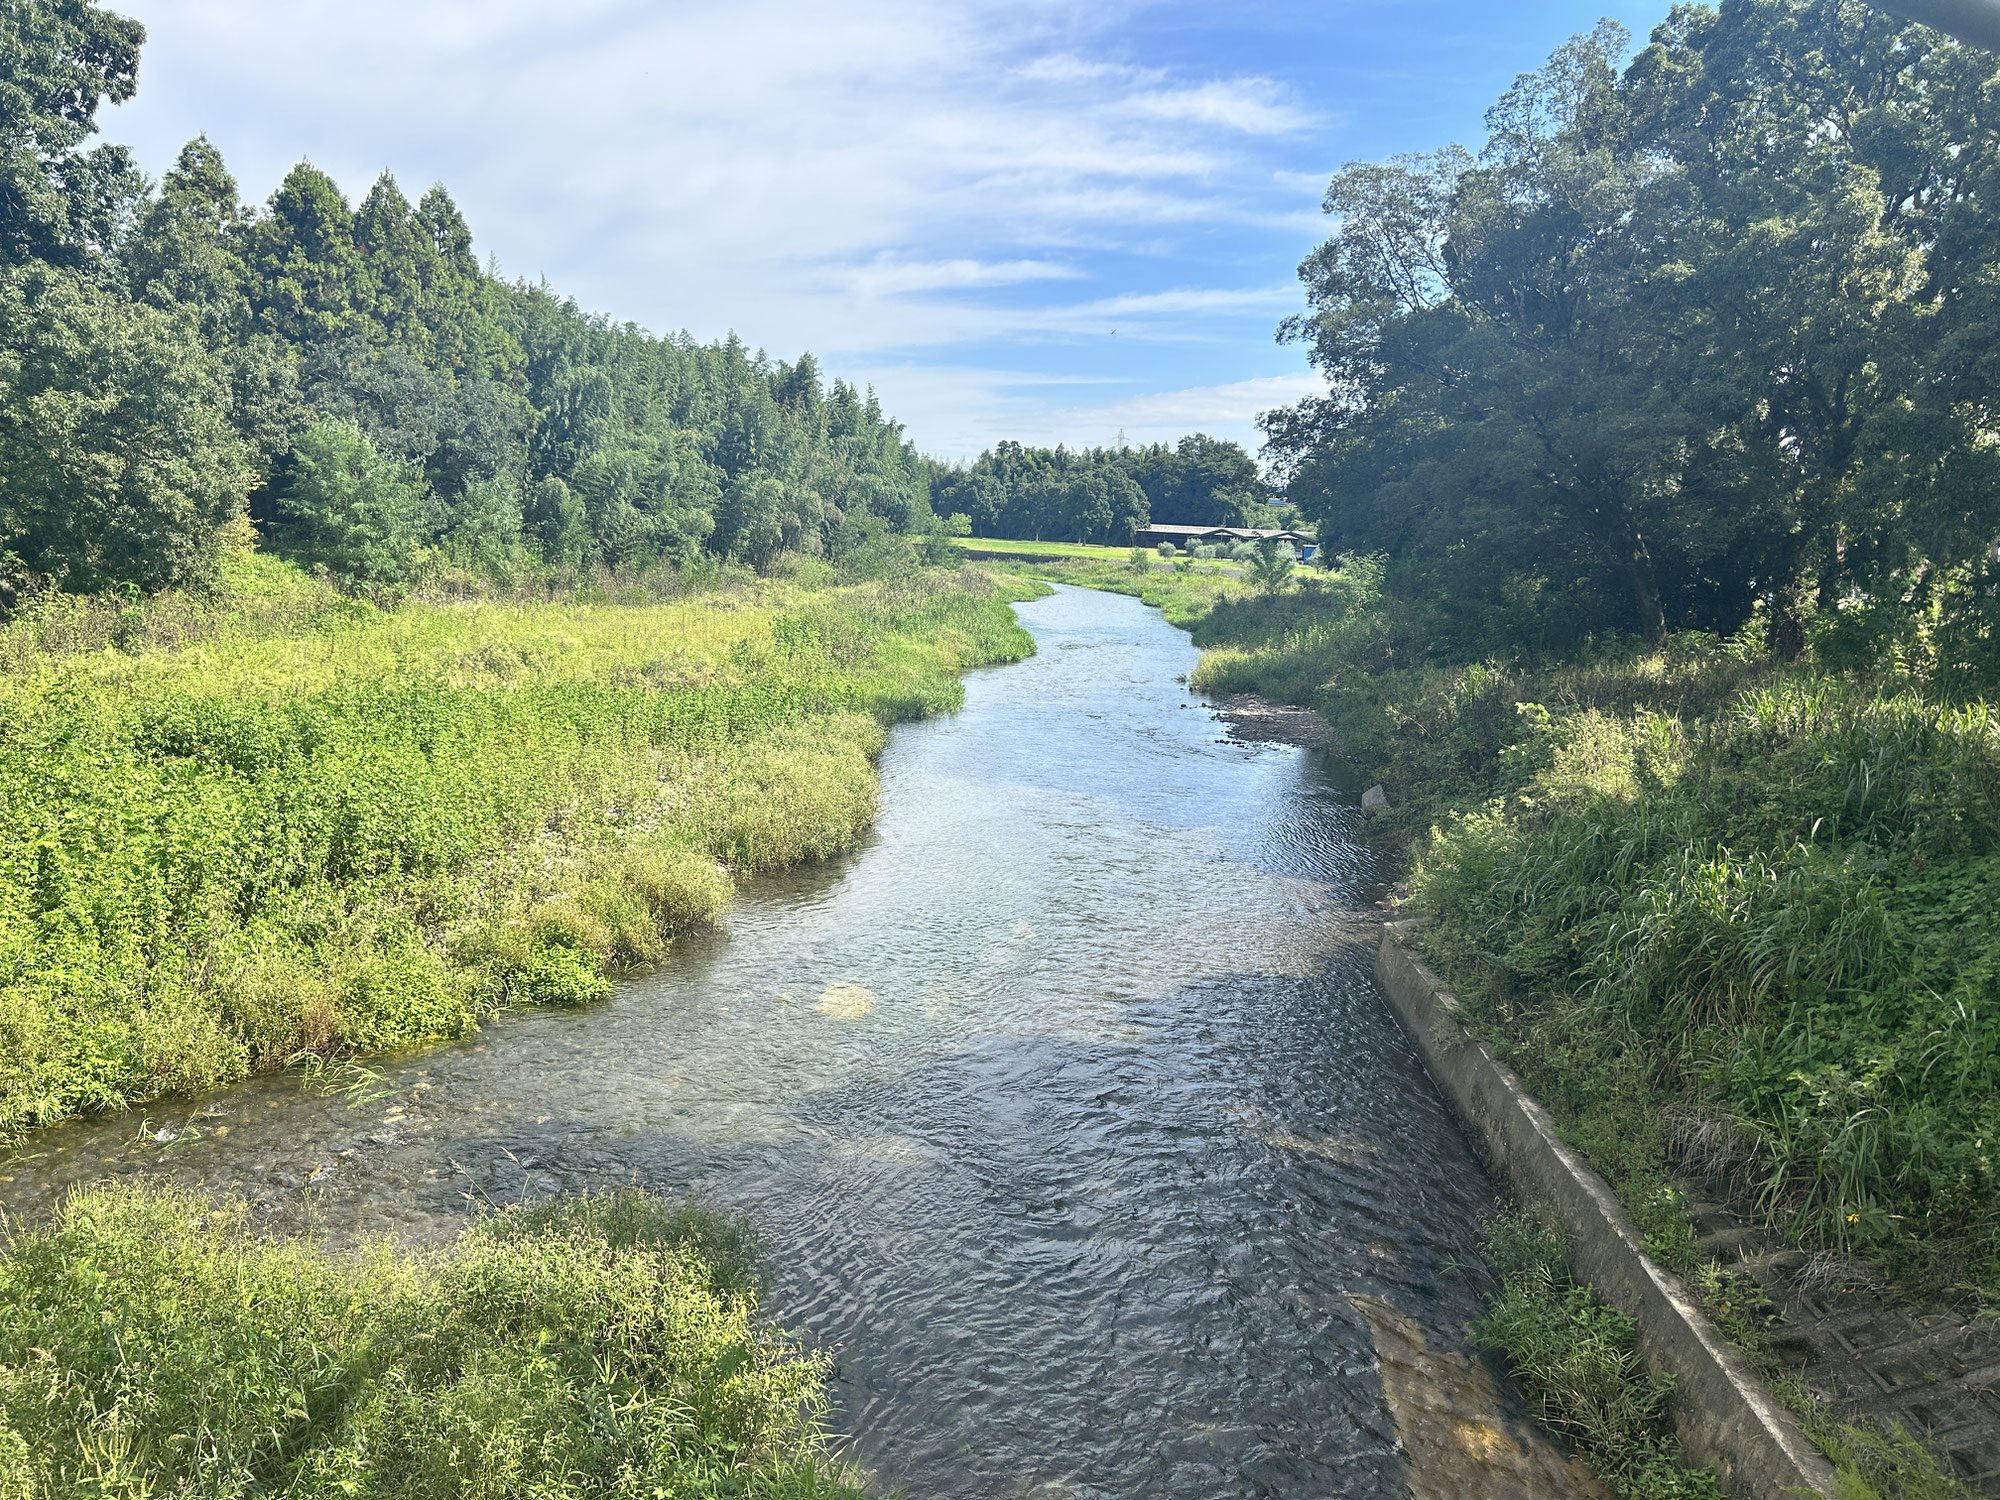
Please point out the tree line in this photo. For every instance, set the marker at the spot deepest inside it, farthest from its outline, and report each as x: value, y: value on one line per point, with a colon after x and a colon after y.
x: 1102, y: 494
x: 351, y: 377
x: 1703, y: 339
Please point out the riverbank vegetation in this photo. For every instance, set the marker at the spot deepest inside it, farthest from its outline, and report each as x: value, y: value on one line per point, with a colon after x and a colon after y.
x: 1665, y: 614
x: 1577, y: 1363
x: 149, y: 1344
x: 381, y: 642
x: 272, y: 820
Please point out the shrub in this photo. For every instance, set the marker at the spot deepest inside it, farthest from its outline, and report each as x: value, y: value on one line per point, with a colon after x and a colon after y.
x: 609, y: 1346
x: 349, y: 508
x: 561, y: 976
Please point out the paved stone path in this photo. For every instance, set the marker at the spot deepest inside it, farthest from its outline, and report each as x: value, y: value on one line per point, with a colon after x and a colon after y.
x: 1865, y: 1353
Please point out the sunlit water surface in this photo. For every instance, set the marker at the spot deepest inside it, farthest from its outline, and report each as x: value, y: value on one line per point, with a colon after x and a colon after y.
x: 1065, y: 1107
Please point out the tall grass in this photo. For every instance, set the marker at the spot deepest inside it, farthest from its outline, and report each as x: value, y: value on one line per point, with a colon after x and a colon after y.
x: 611, y: 1346
x: 1575, y: 1360
x: 276, y: 823
x: 1780, y: 915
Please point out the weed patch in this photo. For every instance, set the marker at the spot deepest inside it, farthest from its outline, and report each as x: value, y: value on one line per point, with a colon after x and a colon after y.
x: 282, y: 823
x: 1575, y: 1360
x: 608, y: 1346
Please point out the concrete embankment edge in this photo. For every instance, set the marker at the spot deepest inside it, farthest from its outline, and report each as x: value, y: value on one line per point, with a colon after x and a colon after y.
x: 1725, y: 1417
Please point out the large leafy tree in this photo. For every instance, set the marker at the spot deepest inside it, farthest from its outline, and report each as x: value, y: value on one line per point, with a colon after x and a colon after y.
x: 1697, y: 337
x: 117, y: 460
x: 59, y: 61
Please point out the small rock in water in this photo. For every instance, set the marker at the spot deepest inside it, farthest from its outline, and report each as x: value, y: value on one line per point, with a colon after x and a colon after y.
x: 1374, y: 800
x: 845, y: 1002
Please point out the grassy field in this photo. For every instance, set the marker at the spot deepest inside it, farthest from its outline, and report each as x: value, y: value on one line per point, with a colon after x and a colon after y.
x: 604, y: 1347
x: 276, y: 822
x: 991, y: 548
x: 1187, y: 597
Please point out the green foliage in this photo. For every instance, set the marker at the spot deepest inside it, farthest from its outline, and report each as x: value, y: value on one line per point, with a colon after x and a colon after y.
x: 1690, y: 343
x: 60, y: 204
x: 163, y: 355
x: 1101, y: 493
x: 1271, y: 566
x: 280, y: 823
x: 1575, y: 1361
x: 1779, y: 913
x: 348, y: 507
x: 117, y: 461
x: 608, y: 1346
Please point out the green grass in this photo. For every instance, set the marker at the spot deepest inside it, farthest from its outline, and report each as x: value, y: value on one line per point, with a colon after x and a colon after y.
x: 605, y: 1347
x: 1184, y: 597
x: 1086, y: 550
x: 994, y: 549
x: 278, y: 822
x: 1773, y: 925
x: 1575, y: 1361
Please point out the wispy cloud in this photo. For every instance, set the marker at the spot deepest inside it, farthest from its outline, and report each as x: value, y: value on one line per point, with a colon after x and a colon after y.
x: 870, y: 182
x: 1230, y: 410
x: 1254, y: 106
x: 886, y: 277
x: 967, y: 409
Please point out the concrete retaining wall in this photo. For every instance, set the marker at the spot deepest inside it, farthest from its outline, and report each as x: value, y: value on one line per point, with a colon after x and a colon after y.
x: 1725, y: 1417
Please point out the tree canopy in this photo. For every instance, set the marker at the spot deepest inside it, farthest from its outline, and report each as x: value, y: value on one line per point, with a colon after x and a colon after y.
x: 172, y: 358
x: 1102, y: 494
x: 1696, y: 336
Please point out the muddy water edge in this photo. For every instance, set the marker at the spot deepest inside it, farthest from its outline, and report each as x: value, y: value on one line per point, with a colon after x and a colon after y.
x: 1065, y: 1109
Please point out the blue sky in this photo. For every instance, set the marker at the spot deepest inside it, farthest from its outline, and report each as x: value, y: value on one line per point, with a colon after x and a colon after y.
x: 1050, y: 222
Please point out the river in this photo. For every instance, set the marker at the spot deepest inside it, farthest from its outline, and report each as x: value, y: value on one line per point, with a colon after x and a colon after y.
x: 1065, y: 1107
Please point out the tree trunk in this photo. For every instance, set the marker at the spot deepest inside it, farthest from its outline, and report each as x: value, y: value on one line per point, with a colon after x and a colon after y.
x: 1644, y: 580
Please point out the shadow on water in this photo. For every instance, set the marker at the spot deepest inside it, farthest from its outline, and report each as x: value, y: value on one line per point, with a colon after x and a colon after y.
x: 1065, y: 1108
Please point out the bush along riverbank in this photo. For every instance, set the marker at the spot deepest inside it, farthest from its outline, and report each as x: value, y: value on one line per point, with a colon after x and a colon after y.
x: 608, y: 1346
x: 274, y: 822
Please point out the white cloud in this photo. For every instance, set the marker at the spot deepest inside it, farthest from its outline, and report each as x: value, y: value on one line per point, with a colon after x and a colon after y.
x: 1254, y: 106
x: 886, y: 277
x: 1220, y: 410
x: 959, y: 411
x: 867, y: 181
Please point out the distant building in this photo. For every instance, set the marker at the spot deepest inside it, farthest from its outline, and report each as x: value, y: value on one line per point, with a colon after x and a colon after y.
x: 1212, y: 536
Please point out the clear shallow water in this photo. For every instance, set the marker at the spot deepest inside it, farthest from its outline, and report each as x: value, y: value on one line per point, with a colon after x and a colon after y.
x: 1079, y: 1179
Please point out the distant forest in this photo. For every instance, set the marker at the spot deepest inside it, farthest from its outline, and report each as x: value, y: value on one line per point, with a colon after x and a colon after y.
x: 353, y: 379
x: 1103, y: 494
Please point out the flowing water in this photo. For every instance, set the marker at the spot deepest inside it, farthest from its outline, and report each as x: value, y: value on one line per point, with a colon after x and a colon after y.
x: 1065, y: 1108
